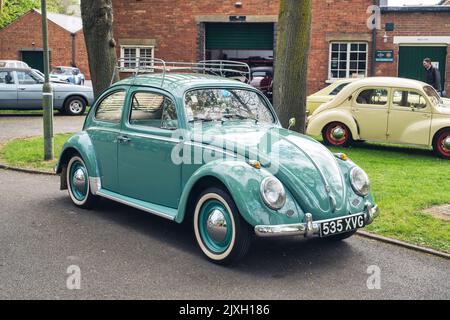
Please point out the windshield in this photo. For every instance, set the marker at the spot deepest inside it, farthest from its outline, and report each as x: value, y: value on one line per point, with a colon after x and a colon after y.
x: 226, y: 104
x: 61, y: 71
x: 433, y: 96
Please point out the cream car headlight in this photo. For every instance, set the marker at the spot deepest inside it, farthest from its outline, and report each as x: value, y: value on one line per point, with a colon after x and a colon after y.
x: 273, y: 193
x: 360, y: 181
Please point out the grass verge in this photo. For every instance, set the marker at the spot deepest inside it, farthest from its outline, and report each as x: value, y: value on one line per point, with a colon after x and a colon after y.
x: 29, y: 153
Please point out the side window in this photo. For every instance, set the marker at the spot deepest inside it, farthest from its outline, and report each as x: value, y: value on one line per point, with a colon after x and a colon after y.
x: 110, y: 109
x: 408, y: 99
x: 338, y: 89
x: 153, y: 110
x: 6, y: 77
x: 373, y: 97
x: 26, y: 78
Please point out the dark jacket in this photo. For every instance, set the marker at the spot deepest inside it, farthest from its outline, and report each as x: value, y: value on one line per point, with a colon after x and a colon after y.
x: 434, y: 78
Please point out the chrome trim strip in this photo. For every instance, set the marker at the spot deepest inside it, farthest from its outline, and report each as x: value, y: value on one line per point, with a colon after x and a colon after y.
x: 150, y: 136
x: 95, y: 183
x: 310, y: 228
x: 160, y: 214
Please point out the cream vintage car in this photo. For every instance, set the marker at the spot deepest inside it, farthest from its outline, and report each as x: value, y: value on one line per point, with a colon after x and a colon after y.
x: 394, y: 110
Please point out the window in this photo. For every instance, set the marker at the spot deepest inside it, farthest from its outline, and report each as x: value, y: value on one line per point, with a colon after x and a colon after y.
x: 132, y: 54
x: 408, y: 99
x: 226, y: 104
x: 27, y: 78
x: 110, y: 109
x: 373, y: 97
x: 338, y: 89
x: 6, y: 77
x: 348, y: 60
x: 153, y: 110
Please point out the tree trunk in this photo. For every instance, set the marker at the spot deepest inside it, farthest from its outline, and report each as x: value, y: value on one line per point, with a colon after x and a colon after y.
x: 97, y: 16
x: 294, y: 27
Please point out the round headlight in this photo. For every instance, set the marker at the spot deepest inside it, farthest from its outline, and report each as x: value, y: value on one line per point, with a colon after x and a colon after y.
x: 360, y: 181
x: 273, y: 193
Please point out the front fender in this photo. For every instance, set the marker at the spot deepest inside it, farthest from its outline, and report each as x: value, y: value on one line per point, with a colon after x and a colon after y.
x: 243, y: 183
x: 82, y: 144
x: 317, y: 123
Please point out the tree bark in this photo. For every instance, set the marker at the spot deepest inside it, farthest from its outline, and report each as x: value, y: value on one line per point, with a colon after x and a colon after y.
x: 294, y: 28
x: 97, y: 16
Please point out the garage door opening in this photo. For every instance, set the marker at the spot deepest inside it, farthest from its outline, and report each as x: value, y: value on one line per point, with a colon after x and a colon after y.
x: 34, y: 58
x: 411, y: 57
x: 252, y: 43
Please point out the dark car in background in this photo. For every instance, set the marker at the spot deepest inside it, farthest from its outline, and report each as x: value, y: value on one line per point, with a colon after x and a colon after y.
x: 262, y: 79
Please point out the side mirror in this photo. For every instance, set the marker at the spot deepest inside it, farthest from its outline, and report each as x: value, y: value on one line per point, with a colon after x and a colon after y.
x: 292, y: 123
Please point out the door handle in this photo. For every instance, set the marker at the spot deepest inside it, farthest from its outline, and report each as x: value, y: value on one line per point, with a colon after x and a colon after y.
x: 426, y: 115
x: 123, y: 139
x: 22, y: 89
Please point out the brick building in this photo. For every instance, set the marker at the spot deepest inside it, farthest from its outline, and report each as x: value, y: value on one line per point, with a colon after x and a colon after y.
x: 342, y: 45
x: 22, y: 40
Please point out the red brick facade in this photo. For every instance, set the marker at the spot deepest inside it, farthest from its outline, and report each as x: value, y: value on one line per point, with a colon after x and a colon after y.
x: 22, y: 33
x: 175, y: 29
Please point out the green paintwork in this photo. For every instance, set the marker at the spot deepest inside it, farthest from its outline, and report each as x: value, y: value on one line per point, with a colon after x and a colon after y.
x: 142, y: 173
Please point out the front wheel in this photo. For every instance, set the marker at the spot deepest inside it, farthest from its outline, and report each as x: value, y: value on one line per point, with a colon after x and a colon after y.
x: 75, y: 106
x: 337, y: 134
x: 78, y: 184
x: 222, y: 235
x: 441, y: 144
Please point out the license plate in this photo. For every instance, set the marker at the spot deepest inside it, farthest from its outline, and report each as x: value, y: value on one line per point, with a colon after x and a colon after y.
x: 342, y: 225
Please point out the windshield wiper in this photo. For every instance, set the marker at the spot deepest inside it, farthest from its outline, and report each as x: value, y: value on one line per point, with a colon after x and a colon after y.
x: 201, y: 119
x: 227, y: 117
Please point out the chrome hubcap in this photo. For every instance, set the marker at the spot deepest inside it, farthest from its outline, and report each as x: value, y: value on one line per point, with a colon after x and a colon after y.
x: 79, y: 180
x: 446, y: 143
x: 75, y: 106
x: 338, y: 133
x: 216, y: 226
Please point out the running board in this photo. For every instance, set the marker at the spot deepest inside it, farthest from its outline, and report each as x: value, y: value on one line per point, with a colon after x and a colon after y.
x: 158, y: 210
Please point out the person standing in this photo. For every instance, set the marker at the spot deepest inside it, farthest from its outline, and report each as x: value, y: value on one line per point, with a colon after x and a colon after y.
x: 433, y: 75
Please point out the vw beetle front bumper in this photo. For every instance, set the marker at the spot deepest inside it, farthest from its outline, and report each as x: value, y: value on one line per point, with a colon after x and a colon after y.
x: 310, y: 228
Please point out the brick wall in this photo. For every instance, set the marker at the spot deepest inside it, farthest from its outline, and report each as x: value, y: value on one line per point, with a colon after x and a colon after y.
x: 27, y: 29
x: 412, y: 24
x: 174, y: 27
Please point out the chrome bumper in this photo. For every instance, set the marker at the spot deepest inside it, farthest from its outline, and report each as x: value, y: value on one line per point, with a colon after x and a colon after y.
x: 310, y: 228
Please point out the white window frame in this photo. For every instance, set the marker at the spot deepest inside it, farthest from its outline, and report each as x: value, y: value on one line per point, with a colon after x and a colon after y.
x: 347, y: 72
x: 138, y: 54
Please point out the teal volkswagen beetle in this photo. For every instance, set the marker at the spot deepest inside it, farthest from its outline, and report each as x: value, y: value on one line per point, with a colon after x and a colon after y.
x: 211, y: 151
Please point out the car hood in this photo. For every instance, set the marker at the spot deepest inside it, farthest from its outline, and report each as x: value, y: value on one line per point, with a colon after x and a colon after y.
x: 67, y: 87
x: 308, y: 169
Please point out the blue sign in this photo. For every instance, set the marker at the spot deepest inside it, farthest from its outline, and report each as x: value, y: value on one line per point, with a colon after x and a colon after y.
x: 384, y: 56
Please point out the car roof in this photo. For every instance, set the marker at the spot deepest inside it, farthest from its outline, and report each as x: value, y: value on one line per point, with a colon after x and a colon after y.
x: 388, y: 82
x: 262, y: 68
x: 14, y: 69
x: 180, y: 82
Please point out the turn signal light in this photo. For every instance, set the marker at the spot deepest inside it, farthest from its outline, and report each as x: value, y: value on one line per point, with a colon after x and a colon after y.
x: 255, y: 164
x: 343, y: 157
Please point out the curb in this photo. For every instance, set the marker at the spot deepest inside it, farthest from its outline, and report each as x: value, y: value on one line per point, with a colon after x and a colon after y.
x: 31, y: 171
x: 399, y: 243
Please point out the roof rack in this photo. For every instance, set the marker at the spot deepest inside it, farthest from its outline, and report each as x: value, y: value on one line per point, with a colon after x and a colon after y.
x: 222, y: 68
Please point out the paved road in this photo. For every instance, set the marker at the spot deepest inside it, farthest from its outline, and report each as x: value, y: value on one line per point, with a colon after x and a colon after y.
x: 124, y: 253
x: 26, y: 126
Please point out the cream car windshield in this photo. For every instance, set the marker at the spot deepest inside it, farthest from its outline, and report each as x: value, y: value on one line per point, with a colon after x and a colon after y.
x: 433, y: 96
x: 207, y: 105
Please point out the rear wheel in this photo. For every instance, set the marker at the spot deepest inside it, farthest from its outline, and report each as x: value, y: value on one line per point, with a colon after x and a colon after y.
x: 441, y: 144
x: 75, y: 106
x: 337, y: 134
x: 222, y: 235
x: 78, y: 184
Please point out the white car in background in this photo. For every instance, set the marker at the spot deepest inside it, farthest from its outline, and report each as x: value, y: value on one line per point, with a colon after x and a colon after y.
x: 13, y: 64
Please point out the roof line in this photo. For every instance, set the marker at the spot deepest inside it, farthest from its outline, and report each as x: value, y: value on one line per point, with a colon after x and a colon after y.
x: 408, y: 9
